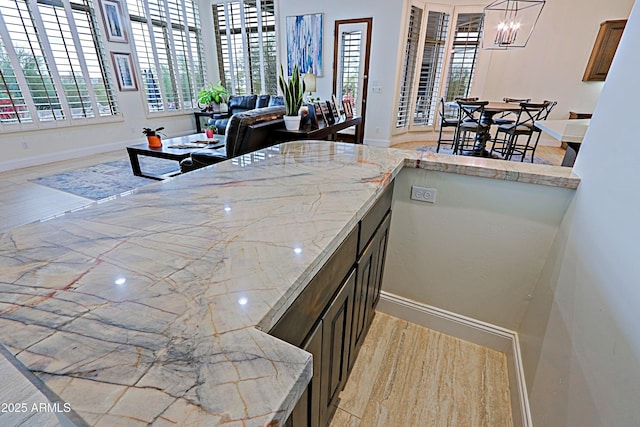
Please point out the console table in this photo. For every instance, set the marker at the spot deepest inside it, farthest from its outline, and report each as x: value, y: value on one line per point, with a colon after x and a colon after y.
x: 323, y: 132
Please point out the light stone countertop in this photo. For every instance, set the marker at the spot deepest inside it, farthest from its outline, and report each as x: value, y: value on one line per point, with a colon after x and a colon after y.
x: 565, y: 130
x: 150, y: 308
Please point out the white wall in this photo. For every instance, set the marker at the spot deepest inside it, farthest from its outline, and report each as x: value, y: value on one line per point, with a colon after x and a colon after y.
x: 551, y: 66
x: 479, y: 250
x: 580, y: 336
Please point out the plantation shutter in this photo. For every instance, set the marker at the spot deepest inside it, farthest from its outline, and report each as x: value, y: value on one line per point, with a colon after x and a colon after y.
x: 246, y: 41
x: 167, y: 40
x: 431, y: 68
x: 466, y: 44
x: 52, y: 64
x: 409, y: 67
x: 351, y: 60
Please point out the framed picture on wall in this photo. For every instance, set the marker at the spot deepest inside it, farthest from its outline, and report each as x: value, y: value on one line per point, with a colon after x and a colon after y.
x: 113, y: 18
x: 123, y: 65
x: 304, y: 43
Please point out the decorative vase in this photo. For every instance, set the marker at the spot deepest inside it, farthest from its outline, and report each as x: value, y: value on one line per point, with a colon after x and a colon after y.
x: 209, y: 133
x: 292, y: 122
x: 154, y: 141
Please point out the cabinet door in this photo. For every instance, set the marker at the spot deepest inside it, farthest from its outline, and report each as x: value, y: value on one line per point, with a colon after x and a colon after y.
x: 381, y: 237
x: 336, y: 338
x: 604, y: 50
x: 366, y: 274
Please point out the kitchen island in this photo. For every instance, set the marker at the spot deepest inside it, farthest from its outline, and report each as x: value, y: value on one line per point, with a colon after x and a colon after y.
x: 153, y: 308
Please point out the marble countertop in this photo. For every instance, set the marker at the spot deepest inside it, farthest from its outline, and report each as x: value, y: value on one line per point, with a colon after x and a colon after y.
x: 151, y: 308
x: 565, y: 130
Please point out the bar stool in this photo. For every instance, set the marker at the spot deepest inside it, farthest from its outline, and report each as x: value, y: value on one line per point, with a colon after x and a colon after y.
x: 511, y: 143
x: 470, y: 129
x: 446, y: 122
x: 504, y: 118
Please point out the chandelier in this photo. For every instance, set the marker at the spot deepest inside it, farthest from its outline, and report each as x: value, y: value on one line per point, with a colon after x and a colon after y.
x: 509, y: 24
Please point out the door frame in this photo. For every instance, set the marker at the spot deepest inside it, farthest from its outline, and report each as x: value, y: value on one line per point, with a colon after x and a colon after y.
x: 367, y: 57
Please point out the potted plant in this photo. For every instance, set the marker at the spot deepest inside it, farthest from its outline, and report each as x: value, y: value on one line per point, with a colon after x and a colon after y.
x: 293, y: 89
x: 210, y: 130
x: 153, y: 136
x: 213, y: 97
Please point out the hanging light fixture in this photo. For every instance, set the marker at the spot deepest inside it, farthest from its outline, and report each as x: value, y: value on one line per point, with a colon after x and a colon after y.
x: 508, y: 24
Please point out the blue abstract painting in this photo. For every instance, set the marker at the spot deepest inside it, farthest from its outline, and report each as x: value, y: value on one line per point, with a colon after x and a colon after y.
x: 304, y: 43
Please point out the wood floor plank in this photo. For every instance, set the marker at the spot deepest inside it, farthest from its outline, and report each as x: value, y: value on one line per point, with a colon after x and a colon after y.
x: 408, y: 375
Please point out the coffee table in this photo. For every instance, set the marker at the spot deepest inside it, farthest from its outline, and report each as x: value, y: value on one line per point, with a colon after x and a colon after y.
x: 172, y: 149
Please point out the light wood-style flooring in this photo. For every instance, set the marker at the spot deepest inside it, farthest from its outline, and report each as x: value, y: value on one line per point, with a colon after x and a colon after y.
x: 407, y: 375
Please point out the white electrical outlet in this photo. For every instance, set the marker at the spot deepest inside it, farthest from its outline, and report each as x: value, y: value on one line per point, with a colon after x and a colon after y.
x: 422, y: 194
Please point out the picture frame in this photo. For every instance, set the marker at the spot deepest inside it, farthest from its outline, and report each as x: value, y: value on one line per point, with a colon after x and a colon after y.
x: 304, y: 34
x: 327, y: 114
x: 125, y: 74
x: 313, y: 119
x: 318, y: 113
x: 114, y: 22
x: 348, y: 111
x: 336, y: 105
x: 333, y: 108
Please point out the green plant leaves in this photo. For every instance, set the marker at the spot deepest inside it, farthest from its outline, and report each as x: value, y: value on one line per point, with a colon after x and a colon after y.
x: 292, y: 89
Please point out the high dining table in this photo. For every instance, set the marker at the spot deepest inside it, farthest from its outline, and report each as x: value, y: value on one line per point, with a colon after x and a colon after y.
x: 490, y: 110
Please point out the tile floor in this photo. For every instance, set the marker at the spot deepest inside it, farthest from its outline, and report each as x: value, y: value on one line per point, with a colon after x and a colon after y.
x: 407, y: 375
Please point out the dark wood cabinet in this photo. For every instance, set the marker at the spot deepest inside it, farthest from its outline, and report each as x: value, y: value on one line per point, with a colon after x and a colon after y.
x: 331, y: 317
x: 336, y: 339
x: 604, y: 50
x: 370, y: 266
x: 329, y: 344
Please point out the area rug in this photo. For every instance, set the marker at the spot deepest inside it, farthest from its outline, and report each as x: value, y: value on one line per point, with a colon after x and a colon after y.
x: 108, y: 179
x: 447, y: 150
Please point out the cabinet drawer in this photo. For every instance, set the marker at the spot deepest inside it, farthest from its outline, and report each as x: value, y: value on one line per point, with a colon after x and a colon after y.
x: 297, y: 321
x: 373, y: 217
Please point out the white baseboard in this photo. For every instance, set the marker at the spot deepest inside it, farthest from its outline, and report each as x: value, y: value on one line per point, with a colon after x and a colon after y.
x: 377, y: 142
x: 59, y: 156
x: 474, y: 331
x: 69, y: 154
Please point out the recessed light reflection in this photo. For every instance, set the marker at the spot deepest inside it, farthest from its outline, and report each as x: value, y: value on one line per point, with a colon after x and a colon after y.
x: 227, y: 209
x: 120, y: 281
x: 243, y: 301
x: 297, y: 250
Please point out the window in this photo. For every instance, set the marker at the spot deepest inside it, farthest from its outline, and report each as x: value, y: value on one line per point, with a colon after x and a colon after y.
x: 168, y: 44
x: 52, y: 65
x: 350, y: 67
x: 466, y: 43
x: 431, y: 69
x: 423, y: 72
x: 409, y: 66
x: 246, y: 40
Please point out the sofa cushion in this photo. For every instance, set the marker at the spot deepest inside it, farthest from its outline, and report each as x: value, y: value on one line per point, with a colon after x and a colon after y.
x: 239, y: 103
x: 262, y: 101
x: 275, y: 100
x: 241, y: 137
x: 237, y: 142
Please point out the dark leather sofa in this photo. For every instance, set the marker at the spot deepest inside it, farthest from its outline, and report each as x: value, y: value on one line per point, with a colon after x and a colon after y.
x: 246, y: 132
x: 240, y: 104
